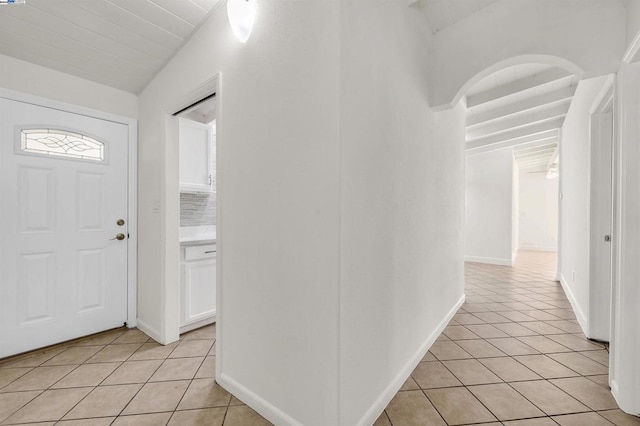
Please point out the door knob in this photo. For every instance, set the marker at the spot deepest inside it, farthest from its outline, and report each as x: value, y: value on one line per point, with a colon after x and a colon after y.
x: 120, y: 222
x: 118, y: 237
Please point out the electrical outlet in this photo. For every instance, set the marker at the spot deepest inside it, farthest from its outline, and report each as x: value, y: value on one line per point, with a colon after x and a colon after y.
x: 573, y: 276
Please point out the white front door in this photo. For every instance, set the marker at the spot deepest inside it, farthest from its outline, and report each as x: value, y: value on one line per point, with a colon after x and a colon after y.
x: 63, y: 202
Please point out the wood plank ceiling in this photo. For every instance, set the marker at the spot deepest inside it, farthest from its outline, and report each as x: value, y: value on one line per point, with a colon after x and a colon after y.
x: 120, y: 43
x: 521, y: 108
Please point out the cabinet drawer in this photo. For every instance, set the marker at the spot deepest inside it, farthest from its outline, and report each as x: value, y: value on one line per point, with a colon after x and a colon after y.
x: 199, y: 252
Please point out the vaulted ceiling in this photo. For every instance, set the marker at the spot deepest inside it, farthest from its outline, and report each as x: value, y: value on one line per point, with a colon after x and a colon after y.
x: 444, y: 13
x: 120, y: 43
x: 521, y: 108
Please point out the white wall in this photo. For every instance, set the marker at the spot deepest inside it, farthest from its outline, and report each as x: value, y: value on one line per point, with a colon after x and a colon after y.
x: 587, y: 36
x: 340, y: 211
x: 625, y: 342
x: 36, y: 80
x: 489, y: 207
x: 401, y: 203
x: 538, y: 212
x: 278, y: 205
x: 575, y: 169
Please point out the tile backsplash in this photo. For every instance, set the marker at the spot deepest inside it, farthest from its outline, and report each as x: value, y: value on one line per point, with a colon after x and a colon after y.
x: 197, y: 209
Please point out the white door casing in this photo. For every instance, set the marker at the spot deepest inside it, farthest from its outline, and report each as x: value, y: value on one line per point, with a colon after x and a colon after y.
x: 62, y: 275
x: 601, y: 214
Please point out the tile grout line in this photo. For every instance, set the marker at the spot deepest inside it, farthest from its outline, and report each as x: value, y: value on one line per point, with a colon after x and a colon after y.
x: 191, y: 380
x: 95, y: 387
x: 559, y: 305
x: 148, y: 381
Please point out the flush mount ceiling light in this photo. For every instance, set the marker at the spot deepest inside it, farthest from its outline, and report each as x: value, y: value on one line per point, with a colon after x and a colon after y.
x: 241, y: 14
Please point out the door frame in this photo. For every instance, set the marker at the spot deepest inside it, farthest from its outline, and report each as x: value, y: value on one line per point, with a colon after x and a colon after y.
x: 171, y: 330
x: 132, y: 177
x: 600, y: 310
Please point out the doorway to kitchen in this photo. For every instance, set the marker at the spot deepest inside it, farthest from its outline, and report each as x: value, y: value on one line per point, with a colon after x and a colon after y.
x: 193, y: 128
x: 197, y: 235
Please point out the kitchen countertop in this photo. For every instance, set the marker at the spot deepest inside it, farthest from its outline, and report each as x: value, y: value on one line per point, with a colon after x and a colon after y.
x: 193, y: 235
x: 194, y: 241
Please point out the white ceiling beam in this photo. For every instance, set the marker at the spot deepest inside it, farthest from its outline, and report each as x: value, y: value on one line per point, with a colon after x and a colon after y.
x: 540, y: 160
x: 544, y: 157
x: 554, y: 157
x: 517, y: 86
x: 534, y: 131
x: 545, y: 147
x: 539, y: 167
x: 536, y: 102
x: 544, y: 152
x: 517, y: 121
x: 533, y: 168
x: 525, y: 151
x: 522, y: 142
x: 511, y: 145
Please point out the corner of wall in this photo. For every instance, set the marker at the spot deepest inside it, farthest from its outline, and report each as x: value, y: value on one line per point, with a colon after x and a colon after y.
x: 150, y: 331
x: 401, y: 377
x: 256, y: 402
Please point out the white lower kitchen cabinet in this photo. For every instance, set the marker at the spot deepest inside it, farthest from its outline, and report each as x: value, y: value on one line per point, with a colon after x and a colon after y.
x: 198, y: 286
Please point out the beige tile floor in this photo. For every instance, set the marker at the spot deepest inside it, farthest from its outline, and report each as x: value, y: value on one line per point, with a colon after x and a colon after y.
x: 120, y: 378
x: 513, y: 355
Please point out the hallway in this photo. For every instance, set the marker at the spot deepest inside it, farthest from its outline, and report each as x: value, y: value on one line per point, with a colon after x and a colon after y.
x: 514, y: 351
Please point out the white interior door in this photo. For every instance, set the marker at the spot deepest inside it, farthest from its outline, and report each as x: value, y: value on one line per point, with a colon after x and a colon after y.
x: 63, y: 200
x: 601, y: 224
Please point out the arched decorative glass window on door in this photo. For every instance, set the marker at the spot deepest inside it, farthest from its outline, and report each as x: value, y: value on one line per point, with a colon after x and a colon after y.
x: 61, y: 143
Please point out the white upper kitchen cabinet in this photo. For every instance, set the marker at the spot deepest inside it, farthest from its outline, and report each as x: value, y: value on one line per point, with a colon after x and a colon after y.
x: 197, y: 146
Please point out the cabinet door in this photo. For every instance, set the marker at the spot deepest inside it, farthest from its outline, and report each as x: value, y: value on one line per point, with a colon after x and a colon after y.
x: 196, y: 156
x: 199, y: 285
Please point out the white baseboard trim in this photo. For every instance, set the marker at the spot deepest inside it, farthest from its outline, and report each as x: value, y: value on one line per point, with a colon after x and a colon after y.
x: 582, y: 318
x: 537, y: 248
x: 614, y: 390
x: 489, y: 260
x: 383, y: 400
x: 262, y: 407
x: 149, y: 331
x: 197, y: 324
